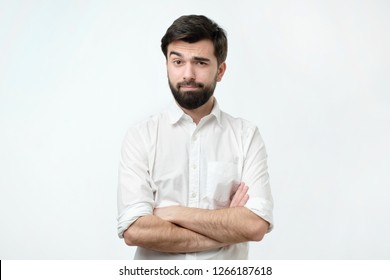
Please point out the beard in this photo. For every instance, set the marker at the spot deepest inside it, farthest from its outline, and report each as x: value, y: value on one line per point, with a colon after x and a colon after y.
x: 192, y: 99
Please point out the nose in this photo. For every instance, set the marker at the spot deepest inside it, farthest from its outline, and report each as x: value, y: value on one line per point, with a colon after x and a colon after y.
x: 189, y: 72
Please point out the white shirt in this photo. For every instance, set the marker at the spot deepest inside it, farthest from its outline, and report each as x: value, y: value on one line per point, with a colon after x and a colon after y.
x: 169, y: 160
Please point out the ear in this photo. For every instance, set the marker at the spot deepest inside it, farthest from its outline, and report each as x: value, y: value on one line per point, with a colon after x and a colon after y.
x: 221, y: 71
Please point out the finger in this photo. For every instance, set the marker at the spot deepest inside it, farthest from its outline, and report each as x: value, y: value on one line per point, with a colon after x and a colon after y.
x: 234, y: 200
x: 244, y: 196
x: 239, y: 195
x: 244, y: 200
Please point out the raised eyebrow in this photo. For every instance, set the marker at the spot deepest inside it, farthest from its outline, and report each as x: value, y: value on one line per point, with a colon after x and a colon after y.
x: 203, y: 59
x: 195, y: 58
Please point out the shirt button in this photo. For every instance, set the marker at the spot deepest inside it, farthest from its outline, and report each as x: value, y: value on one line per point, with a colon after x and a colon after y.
x: 193, y: 195
x: 194, y: 166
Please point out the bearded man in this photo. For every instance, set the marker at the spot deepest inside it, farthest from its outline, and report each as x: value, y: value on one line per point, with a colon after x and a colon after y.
x: 193, y: 180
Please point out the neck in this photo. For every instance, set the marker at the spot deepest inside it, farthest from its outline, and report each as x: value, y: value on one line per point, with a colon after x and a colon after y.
x: 198, y: 113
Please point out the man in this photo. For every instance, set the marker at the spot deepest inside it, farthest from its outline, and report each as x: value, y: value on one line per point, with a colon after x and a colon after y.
x: 181, y: 178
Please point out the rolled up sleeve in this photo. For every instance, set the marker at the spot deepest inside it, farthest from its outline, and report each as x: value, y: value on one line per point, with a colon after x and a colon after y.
x: 135, y: 194
x: 255, y: 175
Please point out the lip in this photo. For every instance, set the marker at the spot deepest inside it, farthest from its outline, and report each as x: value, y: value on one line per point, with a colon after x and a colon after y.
x: 188, y: 87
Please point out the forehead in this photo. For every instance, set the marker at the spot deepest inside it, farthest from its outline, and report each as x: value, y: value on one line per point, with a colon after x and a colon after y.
x: 203, y: 48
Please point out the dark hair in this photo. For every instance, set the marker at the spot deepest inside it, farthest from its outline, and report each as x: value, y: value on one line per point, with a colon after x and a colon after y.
x: 193, y: 28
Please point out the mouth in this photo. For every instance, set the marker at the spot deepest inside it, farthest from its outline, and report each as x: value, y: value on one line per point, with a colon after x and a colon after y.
x: 189, y: 86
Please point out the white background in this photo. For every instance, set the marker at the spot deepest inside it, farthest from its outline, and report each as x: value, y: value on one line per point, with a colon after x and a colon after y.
x: 313, y: 75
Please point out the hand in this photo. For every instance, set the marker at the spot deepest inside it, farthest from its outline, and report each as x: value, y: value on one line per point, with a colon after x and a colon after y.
x: 240, y: 197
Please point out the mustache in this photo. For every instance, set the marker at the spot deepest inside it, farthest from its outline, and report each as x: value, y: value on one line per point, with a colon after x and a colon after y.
x: 190, y: 83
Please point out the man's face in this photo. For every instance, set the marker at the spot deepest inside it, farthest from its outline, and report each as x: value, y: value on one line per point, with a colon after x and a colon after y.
x: 193, y: 72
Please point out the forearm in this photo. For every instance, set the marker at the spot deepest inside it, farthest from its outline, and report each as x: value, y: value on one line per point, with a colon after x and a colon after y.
x: 153, y: 233
x: 229, y: 225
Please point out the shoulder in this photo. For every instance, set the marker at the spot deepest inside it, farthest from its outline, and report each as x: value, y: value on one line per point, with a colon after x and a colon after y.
x: 247, y: 133
x: 146, y: 129
x: 239, y: 125
x: 243, y: 129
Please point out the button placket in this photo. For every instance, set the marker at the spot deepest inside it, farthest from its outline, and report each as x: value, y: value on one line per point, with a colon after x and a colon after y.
x: 193, y: 199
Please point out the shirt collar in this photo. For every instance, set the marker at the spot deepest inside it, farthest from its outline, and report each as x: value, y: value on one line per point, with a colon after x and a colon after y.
x: 176, y: 113
x: 216, y: 111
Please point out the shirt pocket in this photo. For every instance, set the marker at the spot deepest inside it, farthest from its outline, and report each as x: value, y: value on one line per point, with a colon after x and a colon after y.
x: 222, y: 182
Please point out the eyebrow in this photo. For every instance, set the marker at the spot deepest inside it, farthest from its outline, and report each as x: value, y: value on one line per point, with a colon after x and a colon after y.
x: 195, y: 58
x: 175, y: 53
x: 198, y: 58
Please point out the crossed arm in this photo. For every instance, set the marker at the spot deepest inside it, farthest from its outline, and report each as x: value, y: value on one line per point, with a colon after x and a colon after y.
x: 177, y: 229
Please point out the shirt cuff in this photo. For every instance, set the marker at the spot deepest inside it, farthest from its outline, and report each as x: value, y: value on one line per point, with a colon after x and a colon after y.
x: 262, y: 208
x: 131, y: 214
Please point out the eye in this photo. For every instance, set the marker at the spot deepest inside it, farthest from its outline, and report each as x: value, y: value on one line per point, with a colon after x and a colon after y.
x: 201, y: 63
x: 177, y: 62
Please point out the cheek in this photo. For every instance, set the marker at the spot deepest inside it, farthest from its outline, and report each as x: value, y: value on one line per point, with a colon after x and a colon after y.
x: 206, y: 76
x: 173, y: 75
